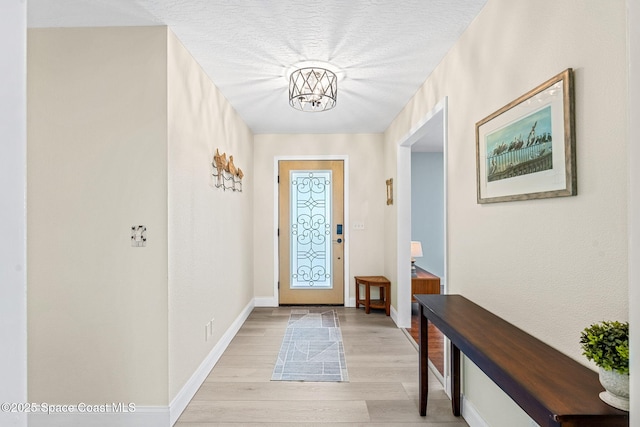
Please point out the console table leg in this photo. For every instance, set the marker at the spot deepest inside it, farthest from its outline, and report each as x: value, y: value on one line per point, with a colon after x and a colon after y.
x: 455, y: 380
x: 423, y: 386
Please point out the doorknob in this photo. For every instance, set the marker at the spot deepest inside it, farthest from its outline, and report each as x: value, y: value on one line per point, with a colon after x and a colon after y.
x: 338, y: 241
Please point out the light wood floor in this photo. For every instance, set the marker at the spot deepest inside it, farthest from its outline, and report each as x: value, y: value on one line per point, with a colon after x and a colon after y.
x: 382, y: 388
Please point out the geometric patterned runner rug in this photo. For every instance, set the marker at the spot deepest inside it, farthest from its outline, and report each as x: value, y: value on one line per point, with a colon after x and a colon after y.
x: 312, y: 348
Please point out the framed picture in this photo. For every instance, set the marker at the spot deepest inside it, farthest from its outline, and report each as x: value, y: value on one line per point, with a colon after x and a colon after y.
x: 390, y: 191
x: 526, y: 149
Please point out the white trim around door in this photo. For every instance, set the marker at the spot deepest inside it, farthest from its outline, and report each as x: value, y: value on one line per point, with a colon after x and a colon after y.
x: 404, y: 211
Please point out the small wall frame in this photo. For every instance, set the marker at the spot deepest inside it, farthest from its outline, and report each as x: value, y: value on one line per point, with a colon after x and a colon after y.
x: 390, y: 191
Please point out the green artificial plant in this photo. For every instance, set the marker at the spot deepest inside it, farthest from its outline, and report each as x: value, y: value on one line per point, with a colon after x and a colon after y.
x: 607, y: 344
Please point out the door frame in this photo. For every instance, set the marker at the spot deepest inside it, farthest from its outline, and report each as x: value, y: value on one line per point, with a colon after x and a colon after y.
x: 404, y: 211
x: 347, y: 237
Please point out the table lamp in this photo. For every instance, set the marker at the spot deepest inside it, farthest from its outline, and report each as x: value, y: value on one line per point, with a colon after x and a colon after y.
x: 416, y: 252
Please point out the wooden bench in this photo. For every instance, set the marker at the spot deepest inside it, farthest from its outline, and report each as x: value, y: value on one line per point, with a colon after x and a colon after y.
x: 381, y: 282
x: 549, y: 386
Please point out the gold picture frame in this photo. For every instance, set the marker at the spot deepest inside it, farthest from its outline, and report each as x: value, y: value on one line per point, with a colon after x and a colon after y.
x: 390, y: 191
x: 526, y: 150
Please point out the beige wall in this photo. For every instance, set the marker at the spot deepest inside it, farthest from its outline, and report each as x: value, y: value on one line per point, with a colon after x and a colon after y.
x: 123, y: 125
x: 210, y: 230
x: 549, y: 266
x: 367, y: 199
x: 97, y: 164
x: 390, y: 213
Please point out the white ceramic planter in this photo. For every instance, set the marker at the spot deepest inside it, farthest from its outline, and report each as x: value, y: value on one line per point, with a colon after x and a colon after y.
x: 617, y: 389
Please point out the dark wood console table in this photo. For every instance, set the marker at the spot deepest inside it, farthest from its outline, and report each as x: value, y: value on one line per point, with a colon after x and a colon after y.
x: 552, y: 388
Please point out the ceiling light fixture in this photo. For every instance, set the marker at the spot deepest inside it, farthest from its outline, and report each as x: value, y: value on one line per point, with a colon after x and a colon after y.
x: 313, y: 89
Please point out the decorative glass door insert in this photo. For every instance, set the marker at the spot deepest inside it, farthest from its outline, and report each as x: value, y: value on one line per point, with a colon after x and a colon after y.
x: 310, y: 233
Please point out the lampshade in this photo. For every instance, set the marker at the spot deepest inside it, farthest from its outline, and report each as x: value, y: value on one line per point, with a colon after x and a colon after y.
x: 313, y: 89
x: 416, y: 249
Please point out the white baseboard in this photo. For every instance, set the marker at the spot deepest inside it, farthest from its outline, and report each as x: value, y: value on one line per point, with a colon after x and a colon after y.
x: 144, y: 416
x: 394, y: 315
x: 471, y: 415
x: 352, y: 302
x: 184, y: 396
x: 266, y: 302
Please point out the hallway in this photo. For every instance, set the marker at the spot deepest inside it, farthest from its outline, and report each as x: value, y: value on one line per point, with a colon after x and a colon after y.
x: 383, y: 388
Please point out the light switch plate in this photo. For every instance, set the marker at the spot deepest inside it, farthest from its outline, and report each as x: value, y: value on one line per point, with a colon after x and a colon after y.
x: 138, y: 236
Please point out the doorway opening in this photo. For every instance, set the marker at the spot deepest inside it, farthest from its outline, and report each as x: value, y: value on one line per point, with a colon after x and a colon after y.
x: 422, y: 173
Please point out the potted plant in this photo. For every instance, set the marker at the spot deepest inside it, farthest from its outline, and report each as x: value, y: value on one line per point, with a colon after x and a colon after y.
x: 607, y: 344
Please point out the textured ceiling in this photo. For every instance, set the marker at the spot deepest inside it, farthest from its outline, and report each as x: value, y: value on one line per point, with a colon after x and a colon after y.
x: 382, y: 50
